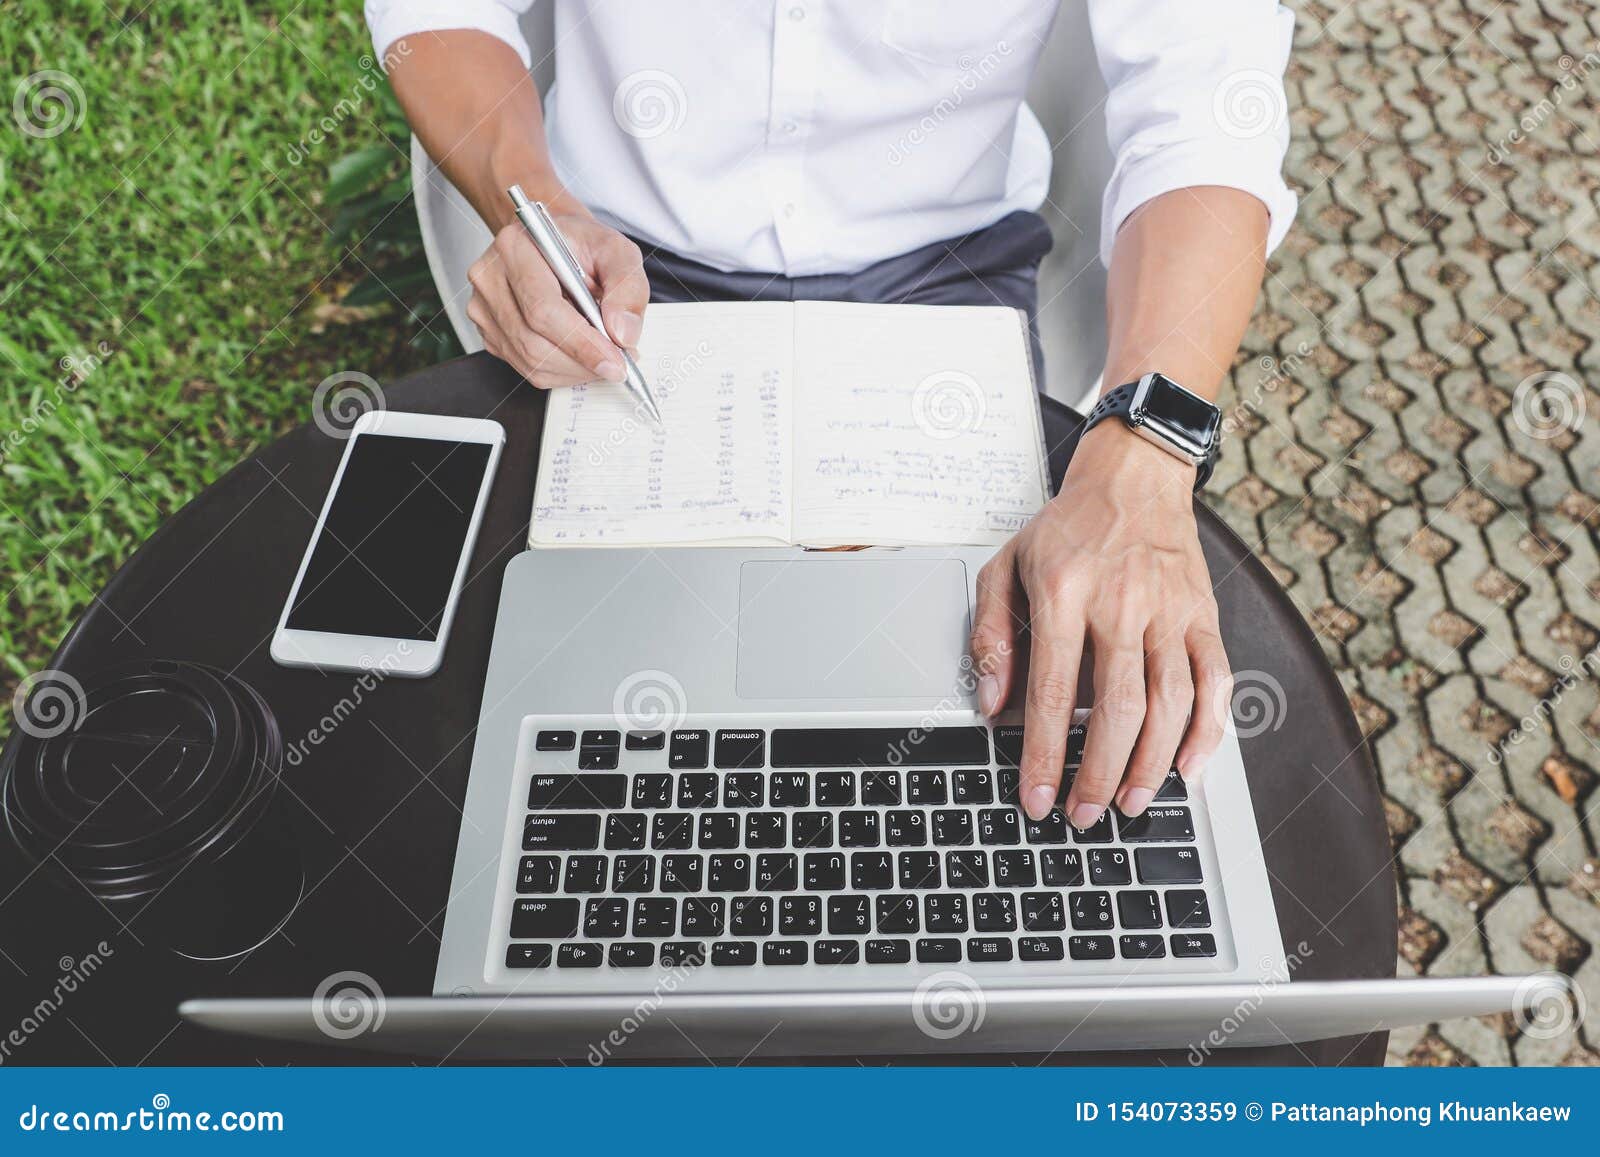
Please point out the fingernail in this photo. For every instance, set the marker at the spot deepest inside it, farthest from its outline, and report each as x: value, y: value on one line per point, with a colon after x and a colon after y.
x: 611, y: 370
x: 989, y: 694
x: 1135, y: 800
x: 626, y: 327
x: 1085, y: 815
x: 1041, y: 798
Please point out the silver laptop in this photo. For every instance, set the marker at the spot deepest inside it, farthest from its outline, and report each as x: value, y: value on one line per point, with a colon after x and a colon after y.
x: 749, y: 791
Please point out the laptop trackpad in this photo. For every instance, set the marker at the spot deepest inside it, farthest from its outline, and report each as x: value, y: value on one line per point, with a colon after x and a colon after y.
x: 882, y: 628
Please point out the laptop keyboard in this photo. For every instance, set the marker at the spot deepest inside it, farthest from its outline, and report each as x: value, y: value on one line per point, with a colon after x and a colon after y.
x: 757, y: 847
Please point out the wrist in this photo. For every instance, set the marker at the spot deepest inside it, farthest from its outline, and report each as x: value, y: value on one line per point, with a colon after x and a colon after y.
x: 538, y: 181
x: 1113, y: 451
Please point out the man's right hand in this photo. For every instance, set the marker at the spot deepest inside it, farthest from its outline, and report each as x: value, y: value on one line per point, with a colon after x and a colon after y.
x: 528, y: 323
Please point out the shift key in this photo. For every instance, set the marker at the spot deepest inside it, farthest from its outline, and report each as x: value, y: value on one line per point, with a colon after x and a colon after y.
x: 544, y: 919
x: 578, y: 792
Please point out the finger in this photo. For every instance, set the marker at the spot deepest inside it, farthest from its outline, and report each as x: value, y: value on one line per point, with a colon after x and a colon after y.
x: 1114, y: 723
x: 994, y: 629
x: 1169, y: 695
x: 624, y: 289
x: 1213, y: 697
x: 1057, y: 652
x: 545, y: 310
x: 532, y: 358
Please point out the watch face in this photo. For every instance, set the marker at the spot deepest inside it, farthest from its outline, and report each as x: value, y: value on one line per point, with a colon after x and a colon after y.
x: 1187, y: 417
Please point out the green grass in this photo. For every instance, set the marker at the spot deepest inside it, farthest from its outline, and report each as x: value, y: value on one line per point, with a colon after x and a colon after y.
x: 170, y: 245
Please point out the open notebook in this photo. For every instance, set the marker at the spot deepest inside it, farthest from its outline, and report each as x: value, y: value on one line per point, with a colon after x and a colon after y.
x: 809, y: 423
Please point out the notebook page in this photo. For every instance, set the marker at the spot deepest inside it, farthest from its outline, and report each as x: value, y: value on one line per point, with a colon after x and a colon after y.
x: 914, y: 424
x: 719, y: 469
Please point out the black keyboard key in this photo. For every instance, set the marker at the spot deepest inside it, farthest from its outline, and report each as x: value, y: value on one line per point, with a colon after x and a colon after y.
x: 1142, y: 946
x: 587, y: 873
x: 1061, y: 867
x: 1167, y: 865
x: 741, y: 748
x: 1138, y: 908
x: 938, y: 951
x: 967, y: 869
x: 606, y: 738
x: 630, y: 955
x: 633, y: 874
x: 728, y: 873
x: 944, y: 912
x: 973, y: 785
x: 837, y: 952
x: 538, y: 874
x: 543, y: 919
x: 1187, y: 908
x: 765, y: 830
x: 1015, y: 868
x: 789, y: 789
x: 926, y: 787
x: 671, y: 831
x: 871, y: 870
x: 1077, y: 734
x: 690, y: 750
x: 1190, y: 945
x: 652, y: 789
x: 597, y: 759
x: 836, y: 788
x: 529, y: 955
x: 1040, y: 948
x: 782, y: 952
x: 719, y: 830
x: 654, y: 916
x: 571, y: 955
x: 858, y: 829
x: 698, y: 790
x: 1008, y: 746
x: 952, y: 828
x: 1091, y: 947
x: 897, y: 913
x: 878, y: 746
x: 849, y: 915
x: 743, y: 789
x: 799, y: 916
x: 625, y: 831
x: 986, y: 949
x: 1008, y: 785
x: 994, y: 912
x: 1166, y: 825
x: 752, y: 916
x: 813, y: 829
x: 560, y: 833
x: 919, y: 870
x: 1050, y: 830
x: 888, y: 952
x: 1172, y: 788
x: 683, y: 954
x: 645, y: 740
x: 1091, y: 911
x: 1098, y: 832
x: 1109, y: 866
x: 1043, y: 912
x: 605, y: 919
x: 880, y: 787
x: 777, y: 872
x: 682, y: 873
x: 998, y: 825
x: 733, y: 952
x: 555, y: 741
x: 824, y: 872
x: 703, y: 915
x: 577, y: 792
x: 905, y: 828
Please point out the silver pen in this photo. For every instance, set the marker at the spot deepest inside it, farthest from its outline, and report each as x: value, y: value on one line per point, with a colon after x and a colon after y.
x: 553, y: 248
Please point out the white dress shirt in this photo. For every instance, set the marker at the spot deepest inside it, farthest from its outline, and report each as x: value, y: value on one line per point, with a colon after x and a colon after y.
x: 820, y: 136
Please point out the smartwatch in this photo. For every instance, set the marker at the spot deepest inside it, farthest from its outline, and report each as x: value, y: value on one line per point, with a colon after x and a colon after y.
x: 1161, y: 411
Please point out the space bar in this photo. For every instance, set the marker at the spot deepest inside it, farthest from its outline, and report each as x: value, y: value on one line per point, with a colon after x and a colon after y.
x: 878, y: 746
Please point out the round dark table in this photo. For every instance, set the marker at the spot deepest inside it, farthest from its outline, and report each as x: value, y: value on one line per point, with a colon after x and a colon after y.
x: 376, y: 803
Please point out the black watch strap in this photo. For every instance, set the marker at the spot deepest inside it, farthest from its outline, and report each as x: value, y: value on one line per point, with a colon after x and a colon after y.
x: 1118, y: 404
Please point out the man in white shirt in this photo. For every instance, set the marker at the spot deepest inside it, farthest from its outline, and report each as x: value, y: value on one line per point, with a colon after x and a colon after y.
x: 881, y: 150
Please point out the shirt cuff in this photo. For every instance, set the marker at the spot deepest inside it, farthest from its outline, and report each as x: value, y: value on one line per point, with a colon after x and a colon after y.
x: 389, y: 22
x: 1253, y: 166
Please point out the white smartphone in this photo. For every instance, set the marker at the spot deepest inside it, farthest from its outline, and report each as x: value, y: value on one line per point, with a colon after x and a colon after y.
x: 378, y: 585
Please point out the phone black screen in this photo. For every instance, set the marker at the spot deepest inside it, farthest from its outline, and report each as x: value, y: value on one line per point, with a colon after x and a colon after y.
x: 388, y: 551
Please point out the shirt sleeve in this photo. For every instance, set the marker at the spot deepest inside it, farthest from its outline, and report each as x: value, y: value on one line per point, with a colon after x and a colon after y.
x: 389, y: 20
x: 1195, y: 98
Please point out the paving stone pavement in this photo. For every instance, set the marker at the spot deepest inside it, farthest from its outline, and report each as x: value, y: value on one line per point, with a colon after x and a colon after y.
x: 1414, y: 453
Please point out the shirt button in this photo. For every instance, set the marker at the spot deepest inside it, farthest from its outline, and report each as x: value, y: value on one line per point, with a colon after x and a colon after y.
x: 797, y: 13
x: 790, y: 128
x: 788, y: 209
